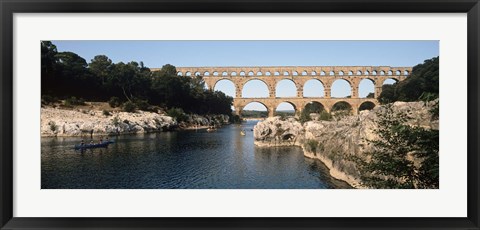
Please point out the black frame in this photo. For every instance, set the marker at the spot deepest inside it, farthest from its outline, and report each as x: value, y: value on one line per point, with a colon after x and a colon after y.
x: 9, y: 7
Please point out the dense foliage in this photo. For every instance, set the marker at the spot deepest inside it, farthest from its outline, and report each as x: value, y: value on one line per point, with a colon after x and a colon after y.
x: 423, y: 82
x: 403, y: 157
x: 67, y: 75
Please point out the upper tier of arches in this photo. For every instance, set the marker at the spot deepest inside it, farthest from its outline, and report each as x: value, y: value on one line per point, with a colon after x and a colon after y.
x: 294, y: 71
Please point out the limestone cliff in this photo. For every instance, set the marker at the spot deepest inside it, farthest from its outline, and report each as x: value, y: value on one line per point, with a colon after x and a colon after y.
x: 333, y: 142
x: 60, y: 122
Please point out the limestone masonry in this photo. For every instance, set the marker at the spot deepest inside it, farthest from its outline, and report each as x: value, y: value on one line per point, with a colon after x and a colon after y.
x: 299, y: 75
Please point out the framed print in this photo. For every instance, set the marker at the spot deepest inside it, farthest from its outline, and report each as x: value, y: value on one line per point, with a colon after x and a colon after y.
x: 265, y: 114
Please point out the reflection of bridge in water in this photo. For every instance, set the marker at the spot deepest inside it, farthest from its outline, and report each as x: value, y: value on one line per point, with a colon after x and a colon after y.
x: 299, y: 75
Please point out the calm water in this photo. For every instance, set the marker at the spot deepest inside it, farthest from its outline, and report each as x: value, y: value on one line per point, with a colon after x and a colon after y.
x: 186, y: 159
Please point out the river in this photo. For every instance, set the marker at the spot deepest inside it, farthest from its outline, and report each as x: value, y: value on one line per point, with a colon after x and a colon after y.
x: 192, y: 159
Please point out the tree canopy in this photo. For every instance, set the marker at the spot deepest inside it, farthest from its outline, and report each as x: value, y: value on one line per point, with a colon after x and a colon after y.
x: 423, y: 82
x: 66, y: 74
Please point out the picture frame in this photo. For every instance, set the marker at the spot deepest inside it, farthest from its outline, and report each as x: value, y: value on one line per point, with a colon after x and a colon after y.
x: 9, y: 8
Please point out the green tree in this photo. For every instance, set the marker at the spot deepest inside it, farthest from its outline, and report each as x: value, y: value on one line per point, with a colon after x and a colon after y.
x: 423, y: 79
x: 101, y: 66
x: 48, y: 66
x: 131, y: 79
x: 403, y: 156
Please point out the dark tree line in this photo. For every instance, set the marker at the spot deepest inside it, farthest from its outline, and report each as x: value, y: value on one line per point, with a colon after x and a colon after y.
x: 66, y: 74
x: 422, y: 84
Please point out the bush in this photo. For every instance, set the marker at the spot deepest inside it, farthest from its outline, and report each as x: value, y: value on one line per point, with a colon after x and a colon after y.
x: 311, y: 145
x: 235, y: 119
x: 129, y: 107
x: 47, y: 100
x: 74, y: 101
x: 53, y: 126
x: 106, y: 113
x: 305, y: 116
x: 177, y: 113
x: 114, y: 102
x: 116, y: 121
x: 325, y: 116
x: 141, y: 104
x: 403, y: 157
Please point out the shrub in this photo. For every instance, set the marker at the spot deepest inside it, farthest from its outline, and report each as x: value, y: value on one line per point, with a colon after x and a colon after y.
x: 114, y: 102
x: 305, y: 116
x: 311, y: 145
x: 235, y: 119
x: 106, y: 113
x: 53, y: 126
x: 71, y: 101
x: 116, y: 121
x: 141, y: 104
x: 177, y: 113
x: 47, y: 99
x: 325, y: 116
x: 129, y: 107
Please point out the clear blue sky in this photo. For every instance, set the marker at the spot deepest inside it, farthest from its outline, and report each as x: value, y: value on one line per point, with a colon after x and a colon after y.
x: 263, y: 53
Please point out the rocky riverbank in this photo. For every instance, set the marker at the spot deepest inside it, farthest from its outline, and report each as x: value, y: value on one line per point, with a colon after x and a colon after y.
x: 79, y: 122
x: 334, y: 142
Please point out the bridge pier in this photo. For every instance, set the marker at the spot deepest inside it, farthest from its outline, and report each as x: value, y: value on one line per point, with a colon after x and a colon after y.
x: 271, y: 112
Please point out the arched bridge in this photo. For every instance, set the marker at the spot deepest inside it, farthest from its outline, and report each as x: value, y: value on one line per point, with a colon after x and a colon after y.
x: 299, y: 75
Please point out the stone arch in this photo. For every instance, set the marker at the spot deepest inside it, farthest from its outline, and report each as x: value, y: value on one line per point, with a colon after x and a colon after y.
x: 206, y: 73
x: 350, y: 73
x: 286, y: 102
x: 390, y: 73
x: 276, y: 73
x: 315, y: 107
x: 304, y: 73
x: 367, y: 105
x: 242, y: 73
x: 224, y: 73
x: 294, y: 73
x: 359, y: 72
x: 285, y: 88
x: 253, y: 103
x: 314, y: 88
x: 228, y: 89
x: 406, y: 73
x: 340, y: 73
x: 268, y: 73
x: 259, y: 73
x: 366, y: 88
x: 342, y: 106
x: 233, y: 73
x: 250, y: 73
x: 382, y: 72
x: 188, y: 74
x: 332, y: 73
x: 253, y: 93
x: 390, y: 80
x: 366, y: 73
x: 215, y: 73
x: 197, y: 74
x: 322, y: 73
x: 179, y: 73
x: 398, y: 73
x: 339, y: 89
x: 314, y: 73
x: 286, y: 73
x: 374, y: 72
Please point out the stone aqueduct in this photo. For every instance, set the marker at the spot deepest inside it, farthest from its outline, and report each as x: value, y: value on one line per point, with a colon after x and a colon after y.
x: 299, y: 75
